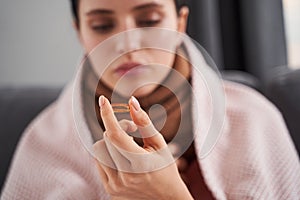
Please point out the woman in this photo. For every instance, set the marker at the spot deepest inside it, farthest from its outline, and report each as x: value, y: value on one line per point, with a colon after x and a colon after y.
x: 253, y: 159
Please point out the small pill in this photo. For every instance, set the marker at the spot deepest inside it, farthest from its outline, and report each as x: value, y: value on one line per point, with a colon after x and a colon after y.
x: 120, y: 107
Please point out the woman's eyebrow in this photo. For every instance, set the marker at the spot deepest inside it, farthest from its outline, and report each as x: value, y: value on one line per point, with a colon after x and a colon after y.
x: 99, y: 11
x: 139, y: 7
x: 147, y: 6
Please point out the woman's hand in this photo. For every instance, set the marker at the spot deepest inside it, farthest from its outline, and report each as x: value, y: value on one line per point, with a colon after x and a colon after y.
x: 129, y: 171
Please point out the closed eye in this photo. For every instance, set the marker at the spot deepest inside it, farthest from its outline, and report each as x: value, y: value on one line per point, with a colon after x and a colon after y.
x: 103, y: 28
x: 149, y: 23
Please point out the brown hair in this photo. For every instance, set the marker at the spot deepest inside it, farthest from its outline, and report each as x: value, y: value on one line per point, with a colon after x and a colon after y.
x: 75, y: 3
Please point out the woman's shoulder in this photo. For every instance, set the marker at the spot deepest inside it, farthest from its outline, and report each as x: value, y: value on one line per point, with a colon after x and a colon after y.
x: 55, y: 121
x: 243, y: 99
x: 251, y: 116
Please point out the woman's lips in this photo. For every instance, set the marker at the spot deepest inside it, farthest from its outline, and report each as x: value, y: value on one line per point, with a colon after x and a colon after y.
x: 129, y: 68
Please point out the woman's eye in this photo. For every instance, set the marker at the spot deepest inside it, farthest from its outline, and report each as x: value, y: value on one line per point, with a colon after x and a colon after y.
x: 148, y: 23
x: 103, y: 28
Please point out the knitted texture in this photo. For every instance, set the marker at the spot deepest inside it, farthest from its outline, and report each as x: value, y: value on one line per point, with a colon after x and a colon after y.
x: 253, y: 159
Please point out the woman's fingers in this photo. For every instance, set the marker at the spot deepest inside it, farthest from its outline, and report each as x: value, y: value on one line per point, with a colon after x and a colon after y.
x: 128, y: 126
x: 109, y: 120
x: 127, y: 155
x: 114, y: 132
x: 151, y: 137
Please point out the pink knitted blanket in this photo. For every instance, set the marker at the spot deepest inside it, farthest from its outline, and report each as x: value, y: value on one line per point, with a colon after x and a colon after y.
x: 253, y: 159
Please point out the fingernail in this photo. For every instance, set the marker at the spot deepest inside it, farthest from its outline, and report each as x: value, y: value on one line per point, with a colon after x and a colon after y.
x: 135, y: 103
x: 101, y: 101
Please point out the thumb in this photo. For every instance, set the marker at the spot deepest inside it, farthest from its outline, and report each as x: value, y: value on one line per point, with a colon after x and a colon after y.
x: 151, y: 137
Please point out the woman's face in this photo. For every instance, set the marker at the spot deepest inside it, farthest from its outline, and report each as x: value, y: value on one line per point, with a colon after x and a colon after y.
x: 101, y: 19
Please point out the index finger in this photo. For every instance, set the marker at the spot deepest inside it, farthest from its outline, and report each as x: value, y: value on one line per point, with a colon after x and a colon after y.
x: 151, y: 137
x: 113, y: 129
x: 109, y: 119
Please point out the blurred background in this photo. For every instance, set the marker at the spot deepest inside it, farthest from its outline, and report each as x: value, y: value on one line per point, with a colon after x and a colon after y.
x: 38, y: 45
x: 292, y: 24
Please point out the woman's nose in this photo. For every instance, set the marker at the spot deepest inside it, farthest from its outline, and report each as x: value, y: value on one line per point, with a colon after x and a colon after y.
x: 129, y: 38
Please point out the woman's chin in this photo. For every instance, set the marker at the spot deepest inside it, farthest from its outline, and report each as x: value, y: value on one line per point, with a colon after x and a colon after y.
x: 140, y: 92
x: 145, y: 90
